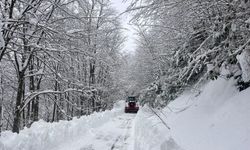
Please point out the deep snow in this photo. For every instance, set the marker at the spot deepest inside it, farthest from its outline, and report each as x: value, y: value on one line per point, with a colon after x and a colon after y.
x: 216, y: 119
x: 109, y: 130
x: 113, y: 135
x: 244, y: 60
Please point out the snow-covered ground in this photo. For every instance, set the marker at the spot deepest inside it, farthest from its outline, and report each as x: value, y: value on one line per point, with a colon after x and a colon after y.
x: 113, y: 135
x: 109, y: 130
x: 216, y: 119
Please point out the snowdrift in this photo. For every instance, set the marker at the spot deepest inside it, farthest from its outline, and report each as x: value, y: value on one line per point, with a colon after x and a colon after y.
x: 45, y: 136
x: 216, y: 119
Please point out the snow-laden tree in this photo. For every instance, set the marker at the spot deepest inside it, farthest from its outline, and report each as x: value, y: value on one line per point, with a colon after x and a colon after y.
x: 63, y: 54
x: 187, y: 42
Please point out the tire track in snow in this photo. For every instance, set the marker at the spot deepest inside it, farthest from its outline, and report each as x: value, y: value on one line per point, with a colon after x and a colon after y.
x: 117, y: 139
x: 113, y: 135
x: 121, y: 139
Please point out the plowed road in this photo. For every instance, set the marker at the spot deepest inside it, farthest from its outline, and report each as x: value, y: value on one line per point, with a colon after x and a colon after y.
x: 114, y: 135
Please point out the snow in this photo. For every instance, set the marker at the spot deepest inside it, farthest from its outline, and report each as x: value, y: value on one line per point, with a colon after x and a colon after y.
x: 72, y: 31
x: 150, y: 133
x: 244, y: 60
x: 33, y: 21
x: 112, y: 135
x: 1, y: 35
x: 233, y: 27
x: 217, y: 119
x: 248, y: 21
x: 97, y: 131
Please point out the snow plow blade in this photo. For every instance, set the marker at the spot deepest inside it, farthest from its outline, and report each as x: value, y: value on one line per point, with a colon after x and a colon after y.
x: 131, y: 110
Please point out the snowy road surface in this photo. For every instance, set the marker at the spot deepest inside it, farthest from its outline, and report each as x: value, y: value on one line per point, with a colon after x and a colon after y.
x: 113, y: 135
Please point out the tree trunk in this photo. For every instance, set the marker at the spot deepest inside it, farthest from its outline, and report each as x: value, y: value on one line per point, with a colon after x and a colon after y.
x: 55, y: 106
x: 30, y: 113
x: 36, y: 101
x: 17, y: 113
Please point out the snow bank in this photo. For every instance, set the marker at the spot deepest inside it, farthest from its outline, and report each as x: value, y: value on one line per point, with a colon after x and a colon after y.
x: 217, y: 119
x: 151, y: 134
x: 244, y: 60
x: 42, y: 135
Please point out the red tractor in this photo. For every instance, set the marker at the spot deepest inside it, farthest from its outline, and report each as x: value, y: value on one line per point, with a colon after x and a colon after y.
x: 131, y: 105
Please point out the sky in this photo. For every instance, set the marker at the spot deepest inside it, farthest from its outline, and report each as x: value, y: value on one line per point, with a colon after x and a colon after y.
x: 129, y: 32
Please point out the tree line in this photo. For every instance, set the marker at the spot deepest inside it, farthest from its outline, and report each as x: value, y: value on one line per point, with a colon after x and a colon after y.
x: 183, y: 44
x: 57, y: 60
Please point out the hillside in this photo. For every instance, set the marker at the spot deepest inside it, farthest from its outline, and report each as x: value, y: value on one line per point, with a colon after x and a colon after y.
x: 217, y: 118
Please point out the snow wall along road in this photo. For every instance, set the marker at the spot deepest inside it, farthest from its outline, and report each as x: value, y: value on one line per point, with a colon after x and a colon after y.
x: 45, y: 136
x: 216, y: 119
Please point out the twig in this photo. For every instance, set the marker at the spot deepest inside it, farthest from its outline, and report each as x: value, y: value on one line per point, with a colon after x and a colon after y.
x: 159, y: 118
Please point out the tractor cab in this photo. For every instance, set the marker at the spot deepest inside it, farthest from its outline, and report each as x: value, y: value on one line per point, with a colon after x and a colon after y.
x: 131, y: 105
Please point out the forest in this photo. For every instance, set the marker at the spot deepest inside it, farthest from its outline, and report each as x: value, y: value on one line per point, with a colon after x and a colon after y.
x: 61, y: 59
x: 57, y: 60
x: 184, y: 44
